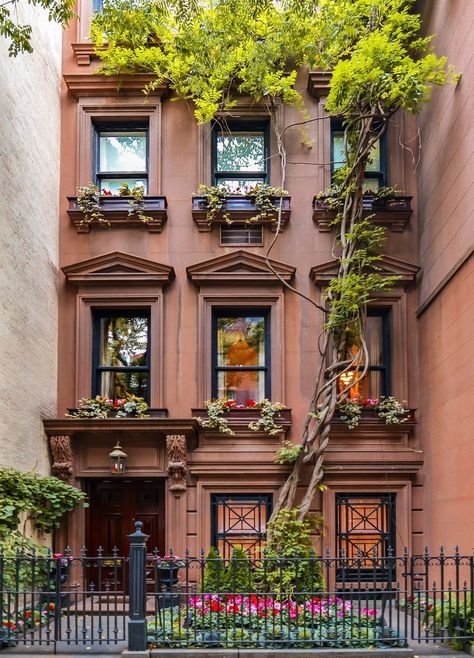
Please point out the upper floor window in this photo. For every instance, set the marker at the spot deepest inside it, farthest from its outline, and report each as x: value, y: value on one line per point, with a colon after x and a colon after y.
x: 241, y: 354
x: 376, y: 170
x: 121, y: 353
x: 121, y: 155
x: 377, y: 381
x: 97, y: 6
x: 240, y: 154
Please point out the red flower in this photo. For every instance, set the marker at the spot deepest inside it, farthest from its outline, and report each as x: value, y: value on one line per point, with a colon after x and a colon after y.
x: 250, y: 403
x: 231, y: 403
x: 106, y: 192
x: 215, y: 607
x: 28, y: 614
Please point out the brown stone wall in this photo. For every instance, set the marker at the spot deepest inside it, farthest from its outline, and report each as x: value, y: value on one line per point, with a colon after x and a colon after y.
x: 182, y: 163
x: 446, y: 312
x: 29, y: 171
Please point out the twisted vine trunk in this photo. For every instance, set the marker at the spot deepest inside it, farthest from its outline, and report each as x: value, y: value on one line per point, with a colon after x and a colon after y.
x: 336, y: 355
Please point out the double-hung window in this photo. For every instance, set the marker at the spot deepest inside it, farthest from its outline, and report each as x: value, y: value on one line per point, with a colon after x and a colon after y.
x: 376, y: 170
x: 377, y: 381
x: 121, y: 353
x: 241, y: 354
x: 240, y: 154
x: 121, y: 155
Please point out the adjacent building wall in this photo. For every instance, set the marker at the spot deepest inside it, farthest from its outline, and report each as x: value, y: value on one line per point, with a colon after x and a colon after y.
x: 446, y: 312
x: 29, y: 174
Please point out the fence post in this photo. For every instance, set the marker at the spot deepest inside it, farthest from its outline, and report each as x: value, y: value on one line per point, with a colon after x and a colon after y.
x: 137, y: 635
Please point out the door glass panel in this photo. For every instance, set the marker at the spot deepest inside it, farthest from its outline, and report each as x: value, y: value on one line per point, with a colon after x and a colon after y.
x: 122, y: 151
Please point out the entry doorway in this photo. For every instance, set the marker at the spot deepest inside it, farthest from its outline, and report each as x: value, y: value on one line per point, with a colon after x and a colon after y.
x: 115, y: 505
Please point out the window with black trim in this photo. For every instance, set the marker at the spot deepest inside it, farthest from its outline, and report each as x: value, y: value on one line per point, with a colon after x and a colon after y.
x: 121, y: 155
x: 240, y: 154
x: 121, y: 353
x: 239, y: 520
x: 377, y: 382
x: 376, y: 170
x: 241, y: 354
x: 365, y: 530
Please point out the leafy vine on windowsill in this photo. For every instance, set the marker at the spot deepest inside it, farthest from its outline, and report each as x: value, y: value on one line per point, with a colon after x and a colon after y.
x: 388, y: 409
x: 217, y: 420
x: 100, y: 407
x: 89, y: 202
x: 262, y: 195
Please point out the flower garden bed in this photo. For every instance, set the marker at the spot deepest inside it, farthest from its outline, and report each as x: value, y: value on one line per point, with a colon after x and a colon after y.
x: 25, y: 621
x: 270, y: 622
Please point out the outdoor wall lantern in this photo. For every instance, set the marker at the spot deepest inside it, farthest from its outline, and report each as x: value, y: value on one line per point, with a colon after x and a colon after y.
x: 118, y: 460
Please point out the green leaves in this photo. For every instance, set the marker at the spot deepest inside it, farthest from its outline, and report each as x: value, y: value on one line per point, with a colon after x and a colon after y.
x: 19, y: 36
x: 42, y: 499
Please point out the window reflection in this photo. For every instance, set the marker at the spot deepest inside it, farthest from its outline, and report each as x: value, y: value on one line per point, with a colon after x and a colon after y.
x: 241, y: 357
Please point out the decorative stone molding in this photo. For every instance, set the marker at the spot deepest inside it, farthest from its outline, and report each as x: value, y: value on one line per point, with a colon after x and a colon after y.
x: 85, y: 53
x: 93, y: 84
x: 118, y: 269
x: 239, y: 268
x: 62, y: 458
x: 318, y: 83
x: 322, y: 274
x: 177, y: 467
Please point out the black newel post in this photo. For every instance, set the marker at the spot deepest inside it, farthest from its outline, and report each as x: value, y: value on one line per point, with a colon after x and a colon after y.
x: 137, y: 636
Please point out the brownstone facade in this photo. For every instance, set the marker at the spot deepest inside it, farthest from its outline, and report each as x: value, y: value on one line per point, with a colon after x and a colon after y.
x: 186, y: 483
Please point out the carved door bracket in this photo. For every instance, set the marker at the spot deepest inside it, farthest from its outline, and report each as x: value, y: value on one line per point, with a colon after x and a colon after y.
x: 177, y: 468
x: 62, y: 458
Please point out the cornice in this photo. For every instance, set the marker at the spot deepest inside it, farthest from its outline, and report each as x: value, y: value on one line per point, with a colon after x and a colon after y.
x: 95, y: 84
x: 239, y: 267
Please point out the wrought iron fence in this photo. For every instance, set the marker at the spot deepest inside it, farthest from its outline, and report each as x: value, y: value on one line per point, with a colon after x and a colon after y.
x: 272, y: 601
x: 278, y: 602
x: 57, y: 597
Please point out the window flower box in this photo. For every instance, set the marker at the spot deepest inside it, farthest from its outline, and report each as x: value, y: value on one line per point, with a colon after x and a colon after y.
x: 115, y: 210
x: 393, y: 212
x: 238, y: 419
x: 151, y: 413
x: 239, y: 208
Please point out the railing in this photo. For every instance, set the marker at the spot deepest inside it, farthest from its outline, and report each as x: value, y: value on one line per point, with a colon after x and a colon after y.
x: 281, y: 602
x: 46, y: 599
x: 266, y: 601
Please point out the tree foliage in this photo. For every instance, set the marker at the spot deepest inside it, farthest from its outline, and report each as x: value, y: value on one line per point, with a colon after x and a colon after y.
x: 19, y: 35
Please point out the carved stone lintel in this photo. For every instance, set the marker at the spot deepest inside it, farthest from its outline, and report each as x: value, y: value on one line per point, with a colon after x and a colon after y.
x: 62, y: 458
x: 177, y: 468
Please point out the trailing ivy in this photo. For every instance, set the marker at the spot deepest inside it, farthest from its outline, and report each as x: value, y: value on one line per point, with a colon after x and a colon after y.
x: 41, y: 499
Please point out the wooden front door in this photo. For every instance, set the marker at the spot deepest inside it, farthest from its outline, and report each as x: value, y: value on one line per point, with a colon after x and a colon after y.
x: 115, y: 505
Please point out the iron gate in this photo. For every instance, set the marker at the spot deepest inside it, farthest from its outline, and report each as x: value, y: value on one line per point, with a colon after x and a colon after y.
x: 46, y: 600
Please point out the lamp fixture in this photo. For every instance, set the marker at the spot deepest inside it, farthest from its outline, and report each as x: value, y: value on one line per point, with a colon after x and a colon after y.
x: 118, y: 460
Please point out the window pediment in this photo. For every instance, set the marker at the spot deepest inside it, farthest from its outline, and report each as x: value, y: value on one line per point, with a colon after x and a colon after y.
x: 322, y: 274
x: 118, y: 268
x: 239, y: 267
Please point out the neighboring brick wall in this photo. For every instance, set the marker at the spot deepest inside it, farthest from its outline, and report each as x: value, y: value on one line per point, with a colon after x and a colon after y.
x: 446, y: 222
x: 29, y: 174
x: 445, y: 172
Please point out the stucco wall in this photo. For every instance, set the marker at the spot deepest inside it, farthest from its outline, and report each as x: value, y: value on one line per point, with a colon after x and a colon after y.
x: 446, y: 229
x: 29, y: 171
